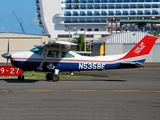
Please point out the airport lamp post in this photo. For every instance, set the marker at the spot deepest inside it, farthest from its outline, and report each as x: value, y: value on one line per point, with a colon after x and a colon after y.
x: 85, y: 38
x: 69, y: 35
x: 69, y: 30
x: 89, y: 41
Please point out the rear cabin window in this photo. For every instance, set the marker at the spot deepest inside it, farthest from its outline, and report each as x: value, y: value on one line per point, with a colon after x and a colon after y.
x: 66, y: 55
x: 58, y: 54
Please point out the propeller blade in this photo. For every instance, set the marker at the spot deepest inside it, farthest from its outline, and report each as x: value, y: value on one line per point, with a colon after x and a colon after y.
x: 8, y: 47
x: 7, y: 55
x: 7, y: 61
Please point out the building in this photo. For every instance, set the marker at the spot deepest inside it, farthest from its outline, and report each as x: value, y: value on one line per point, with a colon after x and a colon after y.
x: 96, y: 18
x: 123, y: 42
x: 19, y: 42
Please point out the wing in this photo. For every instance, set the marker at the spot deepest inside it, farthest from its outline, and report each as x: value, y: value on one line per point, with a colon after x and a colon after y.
x: 61, y: 46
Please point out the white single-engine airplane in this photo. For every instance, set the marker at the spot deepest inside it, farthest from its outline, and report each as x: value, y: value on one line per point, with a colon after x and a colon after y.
x: 59, y: 56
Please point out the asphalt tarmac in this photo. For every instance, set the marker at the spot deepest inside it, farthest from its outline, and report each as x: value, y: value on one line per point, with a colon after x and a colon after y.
x: 130, y: 94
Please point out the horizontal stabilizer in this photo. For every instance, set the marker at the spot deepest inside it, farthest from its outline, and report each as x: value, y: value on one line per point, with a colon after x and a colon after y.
x: 130, y: 65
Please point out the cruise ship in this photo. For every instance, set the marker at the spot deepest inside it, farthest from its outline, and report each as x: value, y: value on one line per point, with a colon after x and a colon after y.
x: 66, y: 19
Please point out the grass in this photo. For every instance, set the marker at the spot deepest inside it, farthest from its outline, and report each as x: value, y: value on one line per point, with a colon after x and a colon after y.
x: 43, y: 75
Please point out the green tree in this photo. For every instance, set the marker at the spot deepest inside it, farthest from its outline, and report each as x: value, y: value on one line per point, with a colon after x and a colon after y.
x: 80, y: 43
x: 155, y: 34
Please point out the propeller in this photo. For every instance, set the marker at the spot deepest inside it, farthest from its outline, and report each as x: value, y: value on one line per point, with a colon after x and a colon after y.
x: 7, y: 55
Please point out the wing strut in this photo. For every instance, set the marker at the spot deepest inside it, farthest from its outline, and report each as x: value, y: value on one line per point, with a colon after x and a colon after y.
x: 46, y: 50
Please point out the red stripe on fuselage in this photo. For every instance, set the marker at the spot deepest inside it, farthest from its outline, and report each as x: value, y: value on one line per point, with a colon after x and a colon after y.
x: 71, y: 60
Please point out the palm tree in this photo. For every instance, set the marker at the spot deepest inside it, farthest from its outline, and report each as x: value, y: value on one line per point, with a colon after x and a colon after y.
x: 80, y: 43
x: 155, y: 34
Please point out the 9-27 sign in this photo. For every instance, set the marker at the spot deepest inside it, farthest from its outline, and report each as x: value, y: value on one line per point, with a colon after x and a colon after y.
x: 10, y: 71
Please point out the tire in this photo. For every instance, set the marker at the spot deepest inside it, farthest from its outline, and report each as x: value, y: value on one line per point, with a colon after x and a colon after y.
x: 21, y: 77
x: 55, y: 78
x: 48, y: 76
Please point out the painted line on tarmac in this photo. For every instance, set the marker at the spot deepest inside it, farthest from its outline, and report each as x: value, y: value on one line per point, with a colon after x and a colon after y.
x: 107, y: 91
x: 83, y: 90
x: 39, y: 90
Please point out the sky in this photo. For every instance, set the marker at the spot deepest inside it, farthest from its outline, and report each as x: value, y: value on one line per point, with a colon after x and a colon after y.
x: 25, y: 10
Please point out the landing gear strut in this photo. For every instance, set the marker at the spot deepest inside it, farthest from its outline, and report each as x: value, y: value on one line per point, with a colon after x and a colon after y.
x: 52, y: 76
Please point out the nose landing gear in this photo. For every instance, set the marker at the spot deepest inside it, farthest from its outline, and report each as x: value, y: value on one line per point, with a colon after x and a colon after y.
x: 21, y: 77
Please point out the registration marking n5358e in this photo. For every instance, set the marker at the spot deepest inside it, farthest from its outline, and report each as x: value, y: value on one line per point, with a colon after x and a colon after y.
x: 91, y: 66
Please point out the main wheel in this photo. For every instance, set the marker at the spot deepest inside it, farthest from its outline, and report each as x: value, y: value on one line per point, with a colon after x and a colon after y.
x: 49, y: 76
x: 55, y: 78
x: 21, y: 77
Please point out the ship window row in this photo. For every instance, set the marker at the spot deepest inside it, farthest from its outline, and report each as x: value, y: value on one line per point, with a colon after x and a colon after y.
x: 104, y: 1
x: 111, y: 6
x: 67, y: 36
x: 104, y: 13
x: 87, y: 35
x: 103, y: 20
x: 64, y: 36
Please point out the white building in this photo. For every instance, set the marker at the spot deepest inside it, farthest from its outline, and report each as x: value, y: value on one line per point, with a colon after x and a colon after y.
x: 123, y: 42
x: 95, y: 18
x: 19, y: 42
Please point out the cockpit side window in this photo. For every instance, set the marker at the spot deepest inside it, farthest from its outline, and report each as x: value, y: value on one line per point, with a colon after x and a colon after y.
x: 52, y: 53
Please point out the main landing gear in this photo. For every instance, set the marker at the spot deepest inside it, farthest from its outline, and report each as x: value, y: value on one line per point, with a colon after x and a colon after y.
x: 52, y: 76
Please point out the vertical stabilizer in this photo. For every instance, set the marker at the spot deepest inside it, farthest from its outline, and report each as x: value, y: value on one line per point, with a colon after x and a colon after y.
x: 143, y: 47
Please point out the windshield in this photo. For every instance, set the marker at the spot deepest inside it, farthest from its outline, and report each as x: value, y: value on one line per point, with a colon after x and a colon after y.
x: 38, y: 50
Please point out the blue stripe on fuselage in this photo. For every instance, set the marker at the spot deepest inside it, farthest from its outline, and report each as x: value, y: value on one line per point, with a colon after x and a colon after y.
x: 65, y: 66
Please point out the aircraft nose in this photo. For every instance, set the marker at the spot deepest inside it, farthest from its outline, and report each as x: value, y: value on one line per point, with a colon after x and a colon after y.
x: 6, y: 55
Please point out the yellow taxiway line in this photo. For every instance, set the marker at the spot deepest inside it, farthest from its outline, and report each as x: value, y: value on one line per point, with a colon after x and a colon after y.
x: 112, y: 91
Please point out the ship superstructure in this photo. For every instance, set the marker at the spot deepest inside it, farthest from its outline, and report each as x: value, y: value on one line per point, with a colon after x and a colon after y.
x: 96, y: 18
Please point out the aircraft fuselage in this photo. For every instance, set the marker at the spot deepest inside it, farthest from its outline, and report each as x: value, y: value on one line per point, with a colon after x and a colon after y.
x: 30, y: 61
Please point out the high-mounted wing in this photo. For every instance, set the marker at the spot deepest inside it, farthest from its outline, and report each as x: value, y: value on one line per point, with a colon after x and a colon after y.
x: 61, y: 46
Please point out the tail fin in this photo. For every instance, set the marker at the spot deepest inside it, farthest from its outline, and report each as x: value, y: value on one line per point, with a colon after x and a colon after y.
x: 143, y: 47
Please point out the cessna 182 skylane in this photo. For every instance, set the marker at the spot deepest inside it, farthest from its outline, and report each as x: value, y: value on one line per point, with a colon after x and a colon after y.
x: 59, y: 56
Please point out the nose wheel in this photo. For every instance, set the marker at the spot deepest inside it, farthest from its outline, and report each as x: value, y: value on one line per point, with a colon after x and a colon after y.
x: 53, y: 77
x: 21, y: 77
